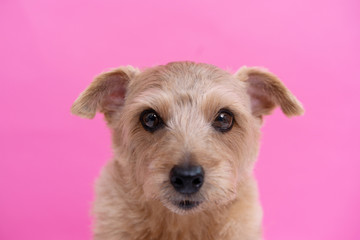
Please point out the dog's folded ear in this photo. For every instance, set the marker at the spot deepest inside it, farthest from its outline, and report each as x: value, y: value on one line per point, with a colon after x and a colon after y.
x: 105, y: 94
x: 267, y: 91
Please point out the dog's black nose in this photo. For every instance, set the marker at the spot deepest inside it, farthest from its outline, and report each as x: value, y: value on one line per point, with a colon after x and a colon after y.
x: 187, y: 179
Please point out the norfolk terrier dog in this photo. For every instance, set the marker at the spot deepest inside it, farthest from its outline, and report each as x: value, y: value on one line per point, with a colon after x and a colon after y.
x: 185, y: 139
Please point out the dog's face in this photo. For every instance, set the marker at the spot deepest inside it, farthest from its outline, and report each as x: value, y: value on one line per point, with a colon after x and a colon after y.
x: 187, y: 133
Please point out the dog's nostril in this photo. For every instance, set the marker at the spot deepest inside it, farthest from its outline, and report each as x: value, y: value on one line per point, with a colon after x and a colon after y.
x: 177, y: 181
x: 197, y: 182
x: 187, y: 179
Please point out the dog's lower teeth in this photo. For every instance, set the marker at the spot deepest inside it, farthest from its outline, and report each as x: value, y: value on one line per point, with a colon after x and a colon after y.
x: 185, y: 203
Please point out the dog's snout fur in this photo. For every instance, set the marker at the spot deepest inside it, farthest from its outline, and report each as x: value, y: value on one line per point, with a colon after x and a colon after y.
x: 159, y: 115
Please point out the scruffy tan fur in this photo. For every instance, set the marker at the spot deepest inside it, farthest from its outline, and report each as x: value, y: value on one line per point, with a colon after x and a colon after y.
x: 133, y: 193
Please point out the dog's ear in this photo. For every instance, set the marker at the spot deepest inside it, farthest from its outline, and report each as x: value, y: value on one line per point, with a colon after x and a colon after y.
x: 105, y: 94
x: 267, y: 91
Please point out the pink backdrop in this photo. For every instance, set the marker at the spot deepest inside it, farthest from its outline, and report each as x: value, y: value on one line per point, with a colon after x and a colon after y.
x: 308, y: 169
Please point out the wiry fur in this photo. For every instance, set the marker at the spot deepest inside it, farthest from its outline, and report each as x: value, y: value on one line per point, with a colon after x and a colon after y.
x: 134, y: 197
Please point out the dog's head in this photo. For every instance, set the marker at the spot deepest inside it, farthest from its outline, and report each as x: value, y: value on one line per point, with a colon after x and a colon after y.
x: 187, y: 133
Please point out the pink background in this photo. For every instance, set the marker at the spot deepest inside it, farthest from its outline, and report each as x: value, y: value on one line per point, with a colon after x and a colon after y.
x: 308, y: 169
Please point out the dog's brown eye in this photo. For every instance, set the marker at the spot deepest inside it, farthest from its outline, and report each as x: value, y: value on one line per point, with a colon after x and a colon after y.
x: 150, y: 120
x: 224, y: 121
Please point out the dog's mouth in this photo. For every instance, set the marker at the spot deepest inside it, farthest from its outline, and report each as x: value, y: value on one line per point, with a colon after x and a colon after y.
x: 186, y: 204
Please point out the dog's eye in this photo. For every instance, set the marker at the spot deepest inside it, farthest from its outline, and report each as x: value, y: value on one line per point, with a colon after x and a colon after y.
x: 150, y: 120
x: 224, y: 121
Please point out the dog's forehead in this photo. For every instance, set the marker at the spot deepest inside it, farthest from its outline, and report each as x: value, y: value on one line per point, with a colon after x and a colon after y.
x: 192, y: 76
x: 180, y: 77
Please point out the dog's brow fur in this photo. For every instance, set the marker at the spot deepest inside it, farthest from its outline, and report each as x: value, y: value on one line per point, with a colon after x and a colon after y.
x: 134, y: 196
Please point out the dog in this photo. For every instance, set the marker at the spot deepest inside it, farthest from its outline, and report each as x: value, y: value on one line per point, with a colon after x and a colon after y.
x: 185, y: 139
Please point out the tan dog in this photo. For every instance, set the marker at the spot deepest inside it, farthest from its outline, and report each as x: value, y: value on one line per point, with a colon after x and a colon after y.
x: 185, y: 139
